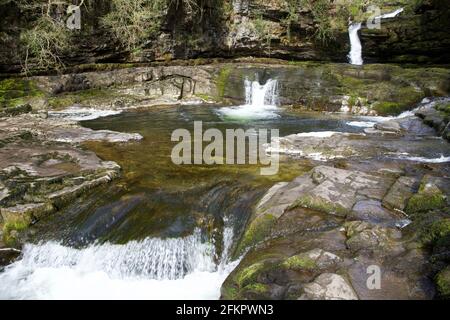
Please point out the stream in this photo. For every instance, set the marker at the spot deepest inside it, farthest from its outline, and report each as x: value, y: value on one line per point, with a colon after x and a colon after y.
x: 161, y: 231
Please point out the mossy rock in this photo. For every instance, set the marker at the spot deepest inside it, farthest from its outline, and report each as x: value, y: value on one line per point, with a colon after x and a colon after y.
x: 255, y: 291
x: 388, y: 108
x: 12, y: 227
x: 222, y: 80
x: 319, y: 204
x: 438, y: 233
x: 18, y: 91
x: 256, y: 232
x: 443, y: 283
x: 425, y: 201
x: 249, y: 274
x: 299, y: 262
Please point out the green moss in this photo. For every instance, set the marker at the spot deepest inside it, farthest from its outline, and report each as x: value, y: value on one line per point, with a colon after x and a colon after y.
x: 299, y: 262
x: 229, y: 292
x: 258, y: 230
x: 258, y: 288
x: 222, y: 80
x: 318, y: 204
x: 86, y: 96
x: 444, y: 110
x: 18, y: 91
x: 426, y: 201
x: 388, y: 108
x: 443, y: 283
x: 204, y: 97
x: 17, y: 224
x: 437, y: 233
x: 249, y: 274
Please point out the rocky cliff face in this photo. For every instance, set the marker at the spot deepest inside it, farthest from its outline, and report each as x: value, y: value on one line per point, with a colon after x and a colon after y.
x: 245, y: 27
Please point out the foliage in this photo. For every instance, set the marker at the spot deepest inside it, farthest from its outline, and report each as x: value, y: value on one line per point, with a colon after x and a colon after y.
x: 264, y: 30
x: 47, y: 37
x: 132, y: 21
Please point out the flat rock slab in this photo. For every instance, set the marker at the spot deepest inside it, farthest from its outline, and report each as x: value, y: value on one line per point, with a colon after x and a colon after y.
x: 399, y: 194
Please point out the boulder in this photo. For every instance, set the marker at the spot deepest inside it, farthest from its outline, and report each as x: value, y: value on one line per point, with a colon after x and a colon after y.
x: 329, y: 286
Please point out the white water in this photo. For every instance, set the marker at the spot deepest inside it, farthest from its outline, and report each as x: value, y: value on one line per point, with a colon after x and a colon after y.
x: 355, y: 55
x: 82, y: 114
x: 260, y: 101
x: 181, y: 268
x: 441, y: 159
x: 361, y: 124
x: 392, y: 14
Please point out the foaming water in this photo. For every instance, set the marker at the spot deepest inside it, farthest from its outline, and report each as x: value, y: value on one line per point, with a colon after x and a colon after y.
x: 441, y: 159
x: 355, y: 55
x: 392, y: 14
x: 260, y: 102
x: 182, y: 268
x: 361, y: 124
x: 83, y: 114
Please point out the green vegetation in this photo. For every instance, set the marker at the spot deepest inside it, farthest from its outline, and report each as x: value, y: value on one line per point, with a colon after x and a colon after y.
x: 428, y: 198
x: 132, y: 22
x: 319, y: 204
x: 222, y: 80
x: 47, y: 38
x: 299, y: 262
x: 11, y: 227
x: 248, y: 275
x: 385, y: 108
x: 264, y: 30
x: 443, y: 283
x: 257, y: 288
x: 259, y: 229
x: 17, y: 91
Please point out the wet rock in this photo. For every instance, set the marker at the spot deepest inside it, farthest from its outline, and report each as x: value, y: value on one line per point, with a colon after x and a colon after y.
x: 329, y: 286
x: 433, y: 194
x: 443, y: 283
x: 78, y: 135
x: 314, y: 259
x: 373, y: 212
x: 399, y: 194
x: 7, y: 256
x: 14, y: 111
x: 401, y: 277
x: 37, y: 178
x: 25, y: 213
x: 325, y: 189
x: 366, y: 238
x: 389, y: 126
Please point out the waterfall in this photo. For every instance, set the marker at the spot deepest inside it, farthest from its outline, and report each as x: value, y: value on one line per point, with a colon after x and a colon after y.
x: 392, y: 14
x: 260, y: 101
x: 257, y: 95
x: 153, y: 268
x: 355, y: 55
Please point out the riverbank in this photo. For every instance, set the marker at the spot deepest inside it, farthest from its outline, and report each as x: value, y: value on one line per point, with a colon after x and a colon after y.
x: 375, y: 209
x: 370, y: 190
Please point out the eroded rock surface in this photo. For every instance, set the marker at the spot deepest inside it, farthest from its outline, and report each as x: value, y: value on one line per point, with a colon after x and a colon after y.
x: 322, y: 235
x: 42, y: 168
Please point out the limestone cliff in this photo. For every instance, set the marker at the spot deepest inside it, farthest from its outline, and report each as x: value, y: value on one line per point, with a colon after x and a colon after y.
x: 288, y: 29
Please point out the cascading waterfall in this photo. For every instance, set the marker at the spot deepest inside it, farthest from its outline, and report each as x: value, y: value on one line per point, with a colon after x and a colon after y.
x: 257, y: 95
x: 392, y: 14
x: 260, y: 101
x: 153, y: 268
x: 355, y: 55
